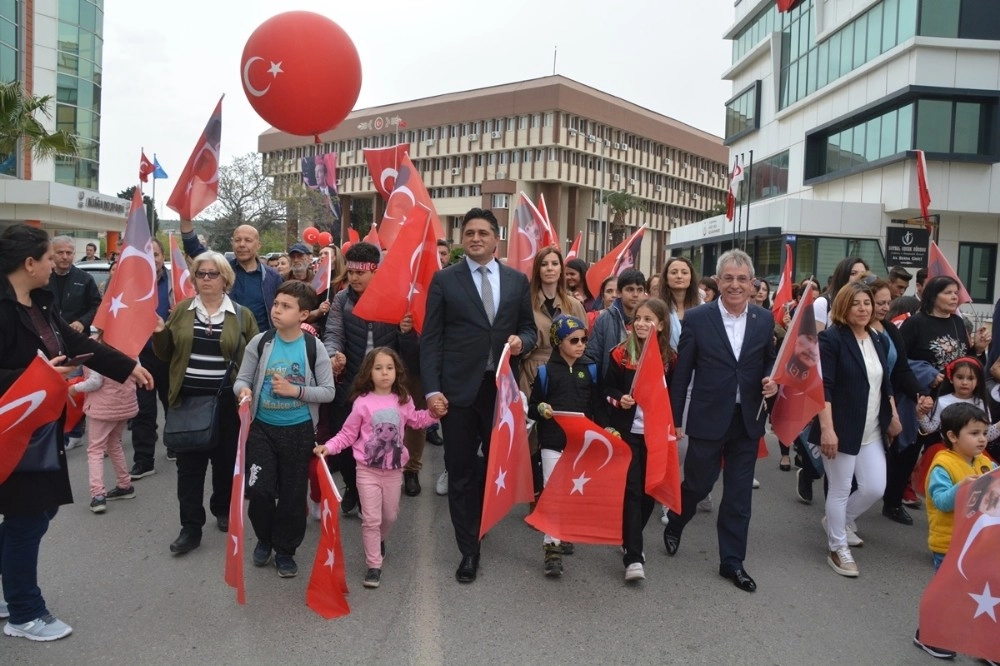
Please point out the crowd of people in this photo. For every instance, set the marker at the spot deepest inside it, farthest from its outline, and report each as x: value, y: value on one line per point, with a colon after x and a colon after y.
x: 902, y: 377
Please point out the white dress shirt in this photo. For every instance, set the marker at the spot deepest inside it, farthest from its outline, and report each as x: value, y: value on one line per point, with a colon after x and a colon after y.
x: 493, y: 276
x: 736, y: 329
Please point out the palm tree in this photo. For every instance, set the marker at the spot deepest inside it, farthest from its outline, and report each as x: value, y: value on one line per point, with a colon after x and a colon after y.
x: 621, y: 203
x: 18, y: 123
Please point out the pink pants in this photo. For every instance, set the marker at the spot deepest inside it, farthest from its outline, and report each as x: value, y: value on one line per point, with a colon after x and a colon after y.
x: 379, y: 490
x: 106, y: 436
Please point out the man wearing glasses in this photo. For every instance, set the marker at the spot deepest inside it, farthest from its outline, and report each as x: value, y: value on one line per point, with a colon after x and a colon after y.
x: 729, y: 341
x: 256, y: 283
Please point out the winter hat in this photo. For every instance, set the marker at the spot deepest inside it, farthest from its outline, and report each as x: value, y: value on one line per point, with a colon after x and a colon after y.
x: 562, y: 326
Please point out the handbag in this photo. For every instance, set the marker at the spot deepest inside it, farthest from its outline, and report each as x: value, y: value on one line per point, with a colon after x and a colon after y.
x: 42, y: 453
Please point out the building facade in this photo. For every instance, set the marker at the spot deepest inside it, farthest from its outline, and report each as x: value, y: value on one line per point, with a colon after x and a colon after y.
x: 549, y: 136
x: 54, y: 48
x: 833, y: 98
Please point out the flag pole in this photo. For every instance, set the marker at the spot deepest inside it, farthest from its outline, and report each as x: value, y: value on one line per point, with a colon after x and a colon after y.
x: 746, y: 231
x: 739, y: 211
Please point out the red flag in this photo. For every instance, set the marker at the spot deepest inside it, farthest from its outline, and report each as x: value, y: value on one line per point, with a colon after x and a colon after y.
x: 582, y: 502
x: 549, y: 236
x: 797, y: 369
x: 35, y: 399
x: 787, y: 5
x: 526, y: 234
x: 735, y: 178
x: 352, y: 235
x: 937, y: 266
x: 321, y: 281
x: 327, y: 587
x: 145, y: 167
x: 383, y: 165
x: 574, y: 251
x: 960, y: 608
x: 508, y: 471
x: 783, y: 294
x: 649, y: 388
x: 625, y: 255
x: 409, y: 191
x: 127, y: 313
x: 198, y: 185
x: 180, y: 273
x: 372, y: 236
x: 925, y: 193
x: 234, y: 553
x: 74, y: 405
x: 400, y: 284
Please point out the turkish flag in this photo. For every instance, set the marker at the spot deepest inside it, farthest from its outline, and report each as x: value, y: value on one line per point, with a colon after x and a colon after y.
x: 526, y: 235
x: 352, y: 235
x: 574, y: 250
x: 508, y: 471
x: 321, y: 281
x: 582, y: 502
x: 797, y: 369
x: 127, y: 313
x: 372, y: 237
x: 36, y: 398
x: 180, y: 273
x: 198, y: 185
x: 937, y: 266
x: 649, y: 388
x: 409, y: 191
x: 735, y: 178
x: 784, y: 293
x: 787, y: 5
x: 327, y: 587
x: 145, y: 167
x: 74, y: 405
x: 549, y: 236
x: 924, y: 192
x: 960, y: 607
x: 624, y: 256
x: 400, y: 284
x: 234, y: 551
x: 383, y: 165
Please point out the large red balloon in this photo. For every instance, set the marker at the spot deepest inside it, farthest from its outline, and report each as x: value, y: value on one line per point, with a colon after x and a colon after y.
x: 301, y: 73
x: 325, y: 238
x: 310, y: 235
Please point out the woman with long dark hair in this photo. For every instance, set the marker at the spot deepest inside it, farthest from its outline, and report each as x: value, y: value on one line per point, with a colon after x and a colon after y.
x: 29, y: 500
x: 576, y: 282
x: 847, y: 270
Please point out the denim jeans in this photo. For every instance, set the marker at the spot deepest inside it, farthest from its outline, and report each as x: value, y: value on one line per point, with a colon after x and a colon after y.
x: 20, y: 537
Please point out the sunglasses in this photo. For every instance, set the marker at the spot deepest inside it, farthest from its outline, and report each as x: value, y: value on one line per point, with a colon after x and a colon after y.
x: 207, y: 275
x: 577, y: 341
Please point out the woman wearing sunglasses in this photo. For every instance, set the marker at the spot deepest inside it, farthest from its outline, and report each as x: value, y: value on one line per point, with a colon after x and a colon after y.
x: 203, y: 341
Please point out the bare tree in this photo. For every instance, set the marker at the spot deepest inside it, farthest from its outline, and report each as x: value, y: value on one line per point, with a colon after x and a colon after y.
x: 245, y: 197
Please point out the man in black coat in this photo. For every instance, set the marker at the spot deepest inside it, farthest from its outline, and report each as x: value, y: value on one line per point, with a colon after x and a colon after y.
x: 474, y: 308
x: 75, y: 292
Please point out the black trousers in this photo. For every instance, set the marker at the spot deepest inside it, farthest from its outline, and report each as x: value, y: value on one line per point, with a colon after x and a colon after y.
x: 638, y: 506
x: 277, y: 473
x: 331, y: 420
x: 465, y: 429
x: 192, y: 466
x: 144, y: 434
x: 898, y: 469
x: 701, y: 470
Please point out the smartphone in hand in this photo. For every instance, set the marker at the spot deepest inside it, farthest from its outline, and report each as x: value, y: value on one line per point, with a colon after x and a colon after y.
x: 78, y: 360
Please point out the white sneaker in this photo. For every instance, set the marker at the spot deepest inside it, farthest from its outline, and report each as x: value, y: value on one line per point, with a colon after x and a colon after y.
x: 756, y: 484
x: 442, y: 484
x: 705, y: 505
x: 45, y: 628
x: 665, y: 518
x: 313, y: 509
x: 843, y: 563
x: 4, y: 611
x: 634, y: 572
x: 853, y: 540
x: 72, y: 443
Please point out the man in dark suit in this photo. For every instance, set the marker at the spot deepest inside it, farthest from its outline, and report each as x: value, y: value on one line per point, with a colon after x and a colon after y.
x: 730, y: 343
x: 474, y: 308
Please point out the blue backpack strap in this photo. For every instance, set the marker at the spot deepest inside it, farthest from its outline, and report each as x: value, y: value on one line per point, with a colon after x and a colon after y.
x: 543, y: 379
x: 592, y: 369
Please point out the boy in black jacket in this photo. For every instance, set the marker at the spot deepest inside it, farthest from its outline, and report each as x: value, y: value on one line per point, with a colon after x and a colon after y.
x: 567, y: 383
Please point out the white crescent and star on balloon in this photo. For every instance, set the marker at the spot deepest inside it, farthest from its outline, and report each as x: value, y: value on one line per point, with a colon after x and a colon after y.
x: 273, y: 70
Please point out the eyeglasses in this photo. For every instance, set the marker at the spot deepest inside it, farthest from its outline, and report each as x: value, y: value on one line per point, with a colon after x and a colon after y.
x: 577, y: 341
x: 207, y: 275
x: 742, y: 279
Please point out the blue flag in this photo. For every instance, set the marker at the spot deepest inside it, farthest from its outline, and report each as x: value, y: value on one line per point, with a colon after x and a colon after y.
x: 158, y: 171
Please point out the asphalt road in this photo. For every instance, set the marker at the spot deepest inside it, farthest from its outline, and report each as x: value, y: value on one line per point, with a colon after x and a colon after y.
x: 129, y: 600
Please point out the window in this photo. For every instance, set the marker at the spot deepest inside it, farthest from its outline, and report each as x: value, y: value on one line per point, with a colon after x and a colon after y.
x: 500, y: 201
x: 939, y: 18
x: 769, y: 178
x: 743, y: 113
x: 977, y: 269
x: 522, y: 122
x: 548, y: 119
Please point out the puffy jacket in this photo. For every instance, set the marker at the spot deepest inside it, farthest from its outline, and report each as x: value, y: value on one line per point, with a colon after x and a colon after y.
x: 569, y: 389
x: 107, y: 399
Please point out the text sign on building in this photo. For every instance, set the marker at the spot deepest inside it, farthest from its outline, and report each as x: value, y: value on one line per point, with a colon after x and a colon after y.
x: 907, y: 246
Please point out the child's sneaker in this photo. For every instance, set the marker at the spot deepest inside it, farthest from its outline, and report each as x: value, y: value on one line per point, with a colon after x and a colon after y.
x: 286, y: 566
x: 45, y: 628
x: 121, y: 493
x: 553, y: 559
x: 635, y: 572
x: 373, y: 578
x: 567, y: 547
x: 98, y: 504
x: 314, y: 511
x: 261, y: 554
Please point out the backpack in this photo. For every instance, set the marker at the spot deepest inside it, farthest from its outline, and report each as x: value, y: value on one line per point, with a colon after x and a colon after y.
x: 310, y: 347
x: 543, y: 377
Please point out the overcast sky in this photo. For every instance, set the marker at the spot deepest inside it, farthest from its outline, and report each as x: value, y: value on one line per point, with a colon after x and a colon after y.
x: 167, y: 63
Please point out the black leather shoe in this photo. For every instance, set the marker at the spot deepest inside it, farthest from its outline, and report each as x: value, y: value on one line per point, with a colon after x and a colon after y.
x: 467, y: 569
x: 185, y: 543
x: 223, y: 523
x: 898, y: 514
x: 740, y: 578
x: 804, y: 487
x: 671, y: 541
x: 411, y: 484
x: 349, y: 502
x: 433, y: 436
